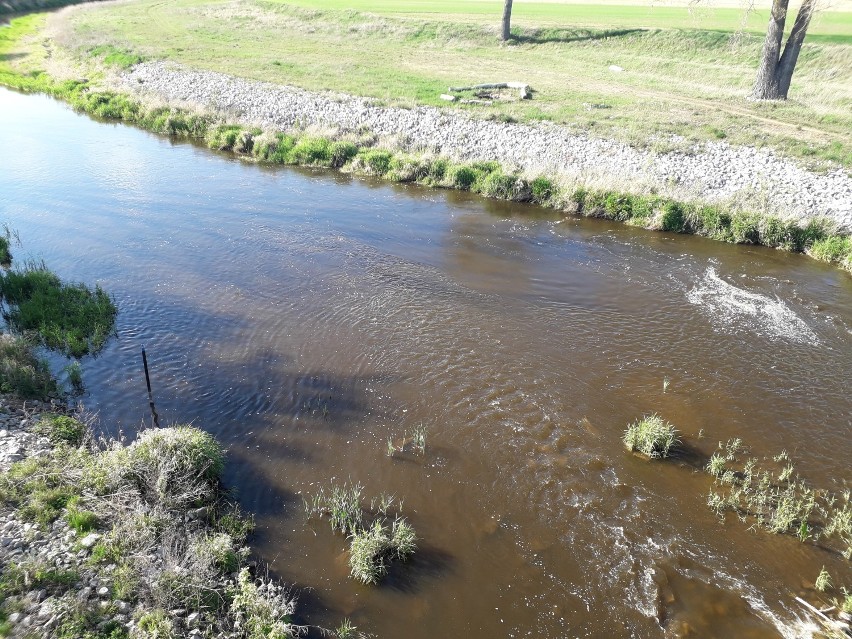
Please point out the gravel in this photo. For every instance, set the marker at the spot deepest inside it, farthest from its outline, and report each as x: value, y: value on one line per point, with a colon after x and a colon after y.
x: 712, y: 170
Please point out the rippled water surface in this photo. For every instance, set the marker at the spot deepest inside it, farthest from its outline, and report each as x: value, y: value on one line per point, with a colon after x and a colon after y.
x: 305, y: 318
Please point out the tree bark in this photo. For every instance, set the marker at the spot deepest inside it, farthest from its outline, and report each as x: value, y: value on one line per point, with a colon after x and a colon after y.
x: 765, y: 86
x: 787, y: 64
x: 507, y: 20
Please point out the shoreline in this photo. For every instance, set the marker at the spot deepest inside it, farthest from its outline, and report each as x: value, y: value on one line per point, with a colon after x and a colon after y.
x: 739, y: 195
x: 715, y: 172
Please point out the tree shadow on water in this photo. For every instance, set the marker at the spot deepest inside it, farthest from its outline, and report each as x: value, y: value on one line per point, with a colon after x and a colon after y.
x: 427, y: 563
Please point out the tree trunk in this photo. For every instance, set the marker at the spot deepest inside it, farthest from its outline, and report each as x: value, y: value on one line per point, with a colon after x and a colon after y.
x: 787, y: 64
x: 507, y: 19
x: 766, y: 86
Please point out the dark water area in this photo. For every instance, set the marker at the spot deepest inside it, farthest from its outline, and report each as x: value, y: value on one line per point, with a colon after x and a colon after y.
x: 306, y: 317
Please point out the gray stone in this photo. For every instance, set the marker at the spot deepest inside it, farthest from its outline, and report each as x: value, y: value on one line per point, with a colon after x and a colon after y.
x: 90, y: 540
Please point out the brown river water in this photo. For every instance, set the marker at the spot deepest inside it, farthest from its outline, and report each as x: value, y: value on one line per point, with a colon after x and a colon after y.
x: 305, y: 317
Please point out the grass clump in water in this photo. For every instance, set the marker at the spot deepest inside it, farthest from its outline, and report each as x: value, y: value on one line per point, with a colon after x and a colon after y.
x: 21, y: 372
x: 374, y: 540
x: 70, y: 318
x: 769, y: 492
x: 651, y: 436
x: 372, y: 548
x: 823, y: 581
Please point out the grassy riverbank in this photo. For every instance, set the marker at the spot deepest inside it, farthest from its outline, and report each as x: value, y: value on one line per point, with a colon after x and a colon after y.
x: 362, y: 155
x: 685, y: 73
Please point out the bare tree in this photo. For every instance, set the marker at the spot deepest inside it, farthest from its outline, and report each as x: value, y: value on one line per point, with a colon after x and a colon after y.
x: 776, y: 68
x: 507, y: 19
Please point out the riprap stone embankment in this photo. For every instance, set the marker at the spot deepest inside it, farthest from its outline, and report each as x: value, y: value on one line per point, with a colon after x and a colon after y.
x: 711, y: 171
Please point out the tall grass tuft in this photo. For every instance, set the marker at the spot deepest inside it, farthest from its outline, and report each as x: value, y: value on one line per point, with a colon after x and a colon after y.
x: 651, y: 436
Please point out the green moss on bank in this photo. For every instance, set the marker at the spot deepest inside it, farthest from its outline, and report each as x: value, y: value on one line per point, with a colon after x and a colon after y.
x: 653, y: 212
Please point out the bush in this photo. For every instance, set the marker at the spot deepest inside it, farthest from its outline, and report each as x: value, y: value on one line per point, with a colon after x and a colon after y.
x: 342, y: 152
x: 499, y: 185
x: 223, y: 137
x: 405, y: 168
x: 5, y: 252
x: 651, y: 436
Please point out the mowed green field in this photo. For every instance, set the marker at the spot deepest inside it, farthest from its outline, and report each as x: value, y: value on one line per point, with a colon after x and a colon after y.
x: 828, y: 26
x: 685, y: 72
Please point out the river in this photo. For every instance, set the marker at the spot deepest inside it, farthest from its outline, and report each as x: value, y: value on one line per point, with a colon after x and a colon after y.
x: 306, y: 317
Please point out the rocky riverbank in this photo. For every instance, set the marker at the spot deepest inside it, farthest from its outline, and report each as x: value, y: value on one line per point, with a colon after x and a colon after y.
x: 106, y: 541
x: 714, y: 171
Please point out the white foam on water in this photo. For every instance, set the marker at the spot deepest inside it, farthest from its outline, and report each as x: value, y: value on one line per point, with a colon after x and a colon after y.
x: 735, y: 310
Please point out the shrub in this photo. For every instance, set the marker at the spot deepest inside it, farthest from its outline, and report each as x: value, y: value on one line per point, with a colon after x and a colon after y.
x: 434, y: 170
x: 404, y: 168
x: 652, y: 436
x: 505, y: 187
x: 5, y: 252
x: 617, y: 206
x: 710, y: 221
x: 70, y: 318
x: 223, y: 137
x: 342, y: 152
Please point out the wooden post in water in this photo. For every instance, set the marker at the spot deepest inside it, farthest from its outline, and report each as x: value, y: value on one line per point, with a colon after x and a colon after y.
x: 150, y: 394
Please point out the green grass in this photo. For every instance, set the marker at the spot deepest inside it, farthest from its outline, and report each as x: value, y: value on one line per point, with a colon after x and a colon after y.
x: 70, y: 318
x: 61, y: 429
x: 727, y: 223
x: 21, y: 372
x: 682, y: 73
x: 770, y: 493
x: 651, y: 436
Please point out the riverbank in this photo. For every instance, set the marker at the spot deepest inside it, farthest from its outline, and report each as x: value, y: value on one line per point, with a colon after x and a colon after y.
x: 106, y: 540
x: 728, y: 193
x: 715, y: 172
